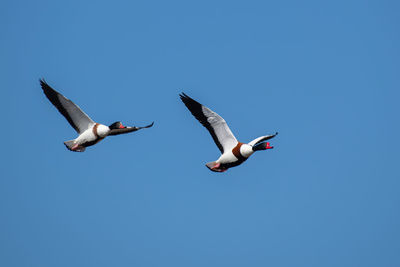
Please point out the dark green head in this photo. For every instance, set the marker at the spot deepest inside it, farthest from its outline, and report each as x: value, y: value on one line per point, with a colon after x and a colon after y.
x: 262, y: 146
x: 116, y: 125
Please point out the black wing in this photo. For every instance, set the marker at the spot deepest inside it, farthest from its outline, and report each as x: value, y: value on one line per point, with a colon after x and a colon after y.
x: 128, y: 129
x: 215, y: 124
x: 74, y: 115
x: 262, y: 138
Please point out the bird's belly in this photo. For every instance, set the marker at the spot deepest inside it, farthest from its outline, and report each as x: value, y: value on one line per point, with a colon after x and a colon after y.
x: 86, y: 137
x: 91, y: 143
x: 227, y: 157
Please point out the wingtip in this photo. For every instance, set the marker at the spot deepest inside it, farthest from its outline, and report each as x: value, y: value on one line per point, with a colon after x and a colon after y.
x: 185, y: 98
x: 45, y: 86
x: 42, y: 81
x: 147, y: 126
x: 182, y: 95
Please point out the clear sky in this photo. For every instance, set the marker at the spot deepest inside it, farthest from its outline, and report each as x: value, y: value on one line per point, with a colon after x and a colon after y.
x: 324, y: 74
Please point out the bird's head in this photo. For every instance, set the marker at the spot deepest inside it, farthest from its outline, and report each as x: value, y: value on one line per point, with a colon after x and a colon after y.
x: 117, y: 125
x: 262, y: 146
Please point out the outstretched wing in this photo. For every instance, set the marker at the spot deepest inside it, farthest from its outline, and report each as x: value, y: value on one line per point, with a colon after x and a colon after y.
x: 262, y: 138
x: 74, y: 115
x: 215, y: 124
x: 128, y: 129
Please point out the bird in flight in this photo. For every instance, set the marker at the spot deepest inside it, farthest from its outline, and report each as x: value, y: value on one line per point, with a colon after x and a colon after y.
x: 90, y: 132
x: 233, y: 152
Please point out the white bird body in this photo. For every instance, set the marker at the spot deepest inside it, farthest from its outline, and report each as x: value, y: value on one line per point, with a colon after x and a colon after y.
x: 228, y: 156
x: 93, y: 134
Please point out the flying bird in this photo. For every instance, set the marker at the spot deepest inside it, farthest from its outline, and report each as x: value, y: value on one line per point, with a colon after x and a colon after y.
x: 90, y: 132
x: 233, y: 152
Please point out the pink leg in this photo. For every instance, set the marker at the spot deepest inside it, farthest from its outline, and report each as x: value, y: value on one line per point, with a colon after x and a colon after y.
x: 216, y: 166
x: 75, y: 147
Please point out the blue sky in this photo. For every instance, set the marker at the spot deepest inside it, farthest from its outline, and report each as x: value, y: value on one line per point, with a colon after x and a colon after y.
x: 324, y: 74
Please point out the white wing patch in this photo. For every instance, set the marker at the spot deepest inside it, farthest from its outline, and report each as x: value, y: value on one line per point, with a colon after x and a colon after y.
x: 81, y: 120
x: 221, y: 129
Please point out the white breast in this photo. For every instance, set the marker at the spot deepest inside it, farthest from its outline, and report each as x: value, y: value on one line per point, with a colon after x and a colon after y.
x: 246, y: 150
x: 102, y: 130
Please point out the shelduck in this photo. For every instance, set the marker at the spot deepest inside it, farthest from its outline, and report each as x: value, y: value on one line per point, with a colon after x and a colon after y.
x: 90, y: 132
x: 233, y: 152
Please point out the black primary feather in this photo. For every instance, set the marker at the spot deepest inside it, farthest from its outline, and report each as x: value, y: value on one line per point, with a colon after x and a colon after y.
x: 52, y: 95
x: 196, y: 109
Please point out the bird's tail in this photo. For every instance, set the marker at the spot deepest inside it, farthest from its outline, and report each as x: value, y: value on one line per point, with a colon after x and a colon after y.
x: 215, y: 167
x: 70, y: 144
